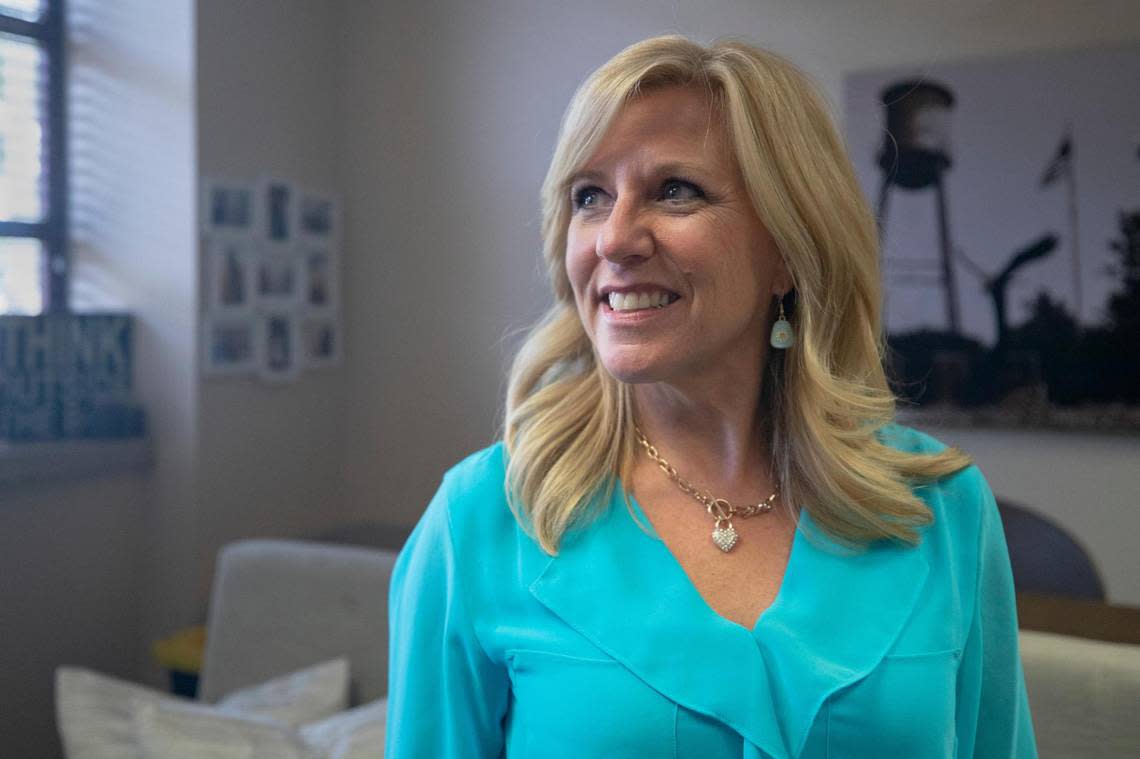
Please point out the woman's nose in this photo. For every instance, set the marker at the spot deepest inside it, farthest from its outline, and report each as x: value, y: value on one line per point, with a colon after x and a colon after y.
x: 625, y: 237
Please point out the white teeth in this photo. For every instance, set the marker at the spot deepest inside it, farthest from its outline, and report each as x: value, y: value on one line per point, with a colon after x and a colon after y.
x: 638, y: 301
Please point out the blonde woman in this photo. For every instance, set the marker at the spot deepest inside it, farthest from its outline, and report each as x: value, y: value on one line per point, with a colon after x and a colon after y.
x: 702, y: 536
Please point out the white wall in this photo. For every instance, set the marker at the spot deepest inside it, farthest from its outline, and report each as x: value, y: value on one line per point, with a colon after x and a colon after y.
x: 453, y: 109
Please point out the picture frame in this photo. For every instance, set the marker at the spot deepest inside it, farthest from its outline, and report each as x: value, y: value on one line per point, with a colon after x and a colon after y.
x: 270, y: 258
x: 275, y: 214
x: 318, y: 216
x: 228, y: 207
x: 1004, y: 191
x: 231, y: 272
x: 228, y: 345
x: 320, y: 278
x: 321, y: 341
x: 278, y: 280
x: 278, y: 341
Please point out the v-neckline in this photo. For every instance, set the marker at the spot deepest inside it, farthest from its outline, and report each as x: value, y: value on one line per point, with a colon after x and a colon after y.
x: 834, y: 617
x: 777, y: 601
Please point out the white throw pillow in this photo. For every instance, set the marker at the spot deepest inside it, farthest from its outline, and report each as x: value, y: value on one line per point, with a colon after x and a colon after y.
x: 173, y: 730
x: 94, y: 711
x: 355, y: 734
x: 169, y: 730
x: 304, y: 696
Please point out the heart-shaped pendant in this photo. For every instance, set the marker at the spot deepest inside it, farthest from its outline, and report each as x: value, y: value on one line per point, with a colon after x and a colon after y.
x: 725, y: 537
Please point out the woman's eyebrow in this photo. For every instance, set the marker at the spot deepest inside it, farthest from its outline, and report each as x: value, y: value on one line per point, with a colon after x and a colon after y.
x: 680, y: 167
x: 584, y: 176
x: 653, y: 170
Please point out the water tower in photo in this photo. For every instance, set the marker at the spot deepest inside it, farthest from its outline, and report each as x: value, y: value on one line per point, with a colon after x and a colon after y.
x: 914, y: 156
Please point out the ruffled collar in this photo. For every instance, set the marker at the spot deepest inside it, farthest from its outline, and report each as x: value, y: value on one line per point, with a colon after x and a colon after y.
x: 837, y: 614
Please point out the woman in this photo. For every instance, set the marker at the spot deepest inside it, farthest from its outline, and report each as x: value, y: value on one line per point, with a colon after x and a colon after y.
x: 701, y: 535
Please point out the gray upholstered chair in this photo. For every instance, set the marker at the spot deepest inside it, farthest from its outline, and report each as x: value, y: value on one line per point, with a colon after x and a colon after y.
x: 1083, y: 695
x: 280, y: 605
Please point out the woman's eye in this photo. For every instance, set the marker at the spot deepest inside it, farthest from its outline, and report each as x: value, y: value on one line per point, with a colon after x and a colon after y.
x: 679, y: 189
x: 587, y: 197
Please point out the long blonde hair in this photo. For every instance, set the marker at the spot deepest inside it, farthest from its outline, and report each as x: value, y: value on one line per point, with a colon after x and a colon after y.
x: 569, y: 423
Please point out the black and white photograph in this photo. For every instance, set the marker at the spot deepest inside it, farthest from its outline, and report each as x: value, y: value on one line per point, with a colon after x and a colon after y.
x: 318, y: 216
x: 1009, y: 245
x: 230, y: 264
x: 320, y: 341
x: 278, y: 279
x: 321, y: 278
x: 228, y: 345
x: 278, y: 345
x: 276, y: 213
x: 227, y: 207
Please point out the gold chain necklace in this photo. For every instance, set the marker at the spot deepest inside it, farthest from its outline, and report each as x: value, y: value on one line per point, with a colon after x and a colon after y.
x: 725, y: 537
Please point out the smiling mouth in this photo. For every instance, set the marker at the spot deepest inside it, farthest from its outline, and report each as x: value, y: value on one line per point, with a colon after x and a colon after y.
x: 622, y: 302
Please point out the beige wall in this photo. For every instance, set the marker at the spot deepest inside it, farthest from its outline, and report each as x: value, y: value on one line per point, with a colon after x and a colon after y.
x: 454, y: 111
x: 71, y: 592
x: 269, y: 103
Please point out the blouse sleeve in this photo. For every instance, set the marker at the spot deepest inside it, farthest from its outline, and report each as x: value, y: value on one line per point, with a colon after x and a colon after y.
x: 446, y: 697
x: 993, y: 708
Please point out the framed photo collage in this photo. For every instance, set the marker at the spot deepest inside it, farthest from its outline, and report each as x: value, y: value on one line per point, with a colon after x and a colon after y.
x: 271, y: 265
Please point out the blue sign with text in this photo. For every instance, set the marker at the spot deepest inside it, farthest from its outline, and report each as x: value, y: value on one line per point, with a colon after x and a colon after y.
x: 65, y: 376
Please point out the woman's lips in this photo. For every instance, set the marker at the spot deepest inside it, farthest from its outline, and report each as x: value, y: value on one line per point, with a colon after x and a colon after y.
x: 635, y: 316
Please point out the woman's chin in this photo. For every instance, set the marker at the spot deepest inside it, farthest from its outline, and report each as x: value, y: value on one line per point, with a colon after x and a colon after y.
x: 634, y: 370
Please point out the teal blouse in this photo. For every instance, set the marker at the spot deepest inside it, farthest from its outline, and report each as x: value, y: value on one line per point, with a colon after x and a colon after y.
x: 608, y: 649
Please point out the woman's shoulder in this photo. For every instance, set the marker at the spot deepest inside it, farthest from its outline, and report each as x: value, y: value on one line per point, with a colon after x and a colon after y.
x: 908, y: 439
x: 469, y: 527
x: 479, y: 474
x: 472, y: 499
x: 959, y: 500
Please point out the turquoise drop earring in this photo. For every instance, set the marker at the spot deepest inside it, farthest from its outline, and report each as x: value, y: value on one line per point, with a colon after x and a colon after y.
x: 783, y: 336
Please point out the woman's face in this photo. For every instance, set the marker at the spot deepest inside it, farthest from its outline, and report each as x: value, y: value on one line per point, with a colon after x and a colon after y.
x: 672, y: 271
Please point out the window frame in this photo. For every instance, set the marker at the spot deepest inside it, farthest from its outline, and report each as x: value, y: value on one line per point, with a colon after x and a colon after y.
x: 49, y: 31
